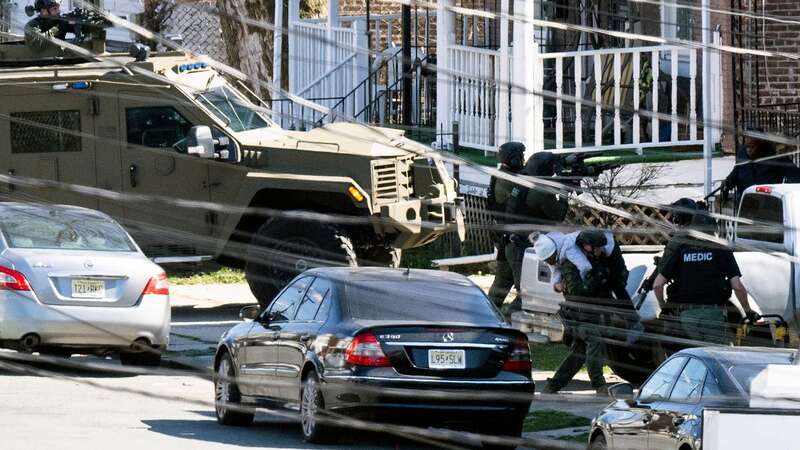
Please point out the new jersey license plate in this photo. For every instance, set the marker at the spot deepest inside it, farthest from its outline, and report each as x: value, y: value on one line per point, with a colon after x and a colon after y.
x: 82, y: 288
x: 446, y: 359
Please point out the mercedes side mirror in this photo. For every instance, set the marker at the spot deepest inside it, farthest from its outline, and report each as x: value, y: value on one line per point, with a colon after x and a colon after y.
x: 249, y: 313
x: 621, y: 391
x: 200, y: 142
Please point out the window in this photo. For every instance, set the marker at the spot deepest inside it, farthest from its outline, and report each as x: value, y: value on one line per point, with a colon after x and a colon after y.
x: 690, y: 382
x: 412, y: 299
x: 657, y: 387
x: 38, y: 229
x: 155, y: 126
x: 313, y: 299
x: 767, y: 213
x: 285, y: 305
x: 46, y: 132
x: 237, y: 113
x: 711, y: 388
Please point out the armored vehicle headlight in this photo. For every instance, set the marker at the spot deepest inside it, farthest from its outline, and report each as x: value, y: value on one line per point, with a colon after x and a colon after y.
x: 61, y: 86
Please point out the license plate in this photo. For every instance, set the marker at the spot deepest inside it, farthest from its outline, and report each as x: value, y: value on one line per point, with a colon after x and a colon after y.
x: 446, y: 359
x: 88, y: 288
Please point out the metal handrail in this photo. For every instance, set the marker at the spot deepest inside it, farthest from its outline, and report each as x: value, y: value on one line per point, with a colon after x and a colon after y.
x: 383, y: 64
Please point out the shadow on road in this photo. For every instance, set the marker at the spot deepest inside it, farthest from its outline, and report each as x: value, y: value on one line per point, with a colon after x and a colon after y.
x: 269, y: 432
x: 217, y: 313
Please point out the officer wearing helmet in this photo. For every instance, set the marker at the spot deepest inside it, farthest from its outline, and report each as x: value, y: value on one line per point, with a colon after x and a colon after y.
x: 48, y: 24
x: 509, y: 254
x: 588, y: 301
x: 701, y: 277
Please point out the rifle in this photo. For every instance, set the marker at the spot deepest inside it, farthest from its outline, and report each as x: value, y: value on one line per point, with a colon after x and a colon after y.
x: 575, y: 168
x: 647, y: 285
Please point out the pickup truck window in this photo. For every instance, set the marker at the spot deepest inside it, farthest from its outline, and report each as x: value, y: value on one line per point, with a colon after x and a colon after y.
x: 767, y: 212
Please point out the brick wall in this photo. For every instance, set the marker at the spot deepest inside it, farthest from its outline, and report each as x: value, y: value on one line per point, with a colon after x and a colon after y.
x: 779, y: 76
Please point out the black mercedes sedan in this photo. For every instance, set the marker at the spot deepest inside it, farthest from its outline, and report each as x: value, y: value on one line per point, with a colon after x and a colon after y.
x: 389, y: 346
x: 667, y: 413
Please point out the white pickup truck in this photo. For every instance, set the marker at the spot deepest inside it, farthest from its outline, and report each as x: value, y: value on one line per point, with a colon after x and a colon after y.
x: 771, y: 274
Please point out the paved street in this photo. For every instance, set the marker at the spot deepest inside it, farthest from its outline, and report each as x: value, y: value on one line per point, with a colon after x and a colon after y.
x: 91, y: 409
x: 59, y: 408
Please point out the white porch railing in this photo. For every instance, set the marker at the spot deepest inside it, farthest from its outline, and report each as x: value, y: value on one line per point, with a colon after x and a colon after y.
x: 593, y: 100
x: 474, y: 95
x: 614, y: 78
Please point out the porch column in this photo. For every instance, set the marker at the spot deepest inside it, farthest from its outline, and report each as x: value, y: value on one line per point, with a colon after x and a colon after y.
x: 527, y: 78
x: 708, y: 133
x: 445, y: 26
x: 503, y: 79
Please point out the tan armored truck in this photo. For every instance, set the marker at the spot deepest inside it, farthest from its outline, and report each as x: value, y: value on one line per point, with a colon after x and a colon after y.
x: 193, y: 168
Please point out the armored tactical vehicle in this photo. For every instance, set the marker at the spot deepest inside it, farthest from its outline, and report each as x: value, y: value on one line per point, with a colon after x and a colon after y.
x: 193, y: 168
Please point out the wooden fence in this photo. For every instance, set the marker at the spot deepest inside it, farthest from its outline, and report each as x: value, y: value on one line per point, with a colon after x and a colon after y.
x: 627, y: 231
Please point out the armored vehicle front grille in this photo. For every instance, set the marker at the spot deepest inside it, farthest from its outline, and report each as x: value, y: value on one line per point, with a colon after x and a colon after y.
x: 392, y: 180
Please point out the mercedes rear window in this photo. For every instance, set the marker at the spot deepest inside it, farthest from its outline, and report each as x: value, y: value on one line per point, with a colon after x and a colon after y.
x: 42, y: 229
x: 418, y: 301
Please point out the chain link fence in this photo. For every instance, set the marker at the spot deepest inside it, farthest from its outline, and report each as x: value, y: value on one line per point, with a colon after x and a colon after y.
x: 200, y: 29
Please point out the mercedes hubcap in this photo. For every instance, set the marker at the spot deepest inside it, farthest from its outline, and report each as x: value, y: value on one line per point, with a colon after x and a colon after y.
x: 223, y: 394
x: 309, y: 408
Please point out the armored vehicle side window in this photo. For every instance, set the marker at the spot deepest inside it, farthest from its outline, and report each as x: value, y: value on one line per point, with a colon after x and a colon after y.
x: 45, y: 131
x: 155, y: 126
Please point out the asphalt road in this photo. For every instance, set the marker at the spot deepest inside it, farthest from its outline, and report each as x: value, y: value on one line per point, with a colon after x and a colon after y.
x: 47, y: 406
x: 83, y: 409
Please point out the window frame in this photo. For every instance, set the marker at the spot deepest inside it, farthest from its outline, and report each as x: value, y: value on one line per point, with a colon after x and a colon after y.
x: 325, y: 297
x: 129, y: 108
x: 753, y: 236
x: 689, y: 401
x: 13, y: 122
x: 640, y: 399
x: 266, y: 316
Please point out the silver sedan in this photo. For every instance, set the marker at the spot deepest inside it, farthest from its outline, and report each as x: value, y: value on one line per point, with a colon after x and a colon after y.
x: 73, y: 281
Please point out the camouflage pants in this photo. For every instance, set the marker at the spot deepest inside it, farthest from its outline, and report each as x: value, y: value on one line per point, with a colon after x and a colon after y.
x: 508, y: 272
x: 708, y: 325
x: 587, y: 348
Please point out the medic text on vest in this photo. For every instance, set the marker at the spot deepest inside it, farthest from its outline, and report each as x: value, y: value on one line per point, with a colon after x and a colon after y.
x: 698, y: 257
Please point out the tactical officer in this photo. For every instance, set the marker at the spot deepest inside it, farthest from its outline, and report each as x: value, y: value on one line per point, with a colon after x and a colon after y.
x: 509, y: 254
x: 48, y: 24
x: 584, y: 314
x: 762, y: 166
x: 531, y: 206
x: 702, y: 275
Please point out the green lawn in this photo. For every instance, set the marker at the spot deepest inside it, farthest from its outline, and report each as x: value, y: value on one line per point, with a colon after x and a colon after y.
x: 223, y: 275
x: 549, y: 356
x: 553, y: 420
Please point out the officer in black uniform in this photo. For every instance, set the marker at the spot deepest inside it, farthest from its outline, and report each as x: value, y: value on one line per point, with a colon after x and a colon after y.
x: 48, y: 24
x: 509, y: 255
x: 703, y: 275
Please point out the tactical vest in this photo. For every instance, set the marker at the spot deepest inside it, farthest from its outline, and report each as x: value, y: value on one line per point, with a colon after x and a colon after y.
x: 699, y: 279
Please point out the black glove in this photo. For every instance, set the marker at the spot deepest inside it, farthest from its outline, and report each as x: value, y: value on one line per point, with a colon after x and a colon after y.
x: 752, y: 316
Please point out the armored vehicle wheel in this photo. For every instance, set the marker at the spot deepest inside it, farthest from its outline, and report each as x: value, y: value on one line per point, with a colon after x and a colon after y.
x: 380, y: 256
x: 283, y: 248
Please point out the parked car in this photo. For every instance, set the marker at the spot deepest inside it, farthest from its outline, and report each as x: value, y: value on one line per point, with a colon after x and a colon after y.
x: 386, y: 345
x: 667, y: 413
x: 73, y: 281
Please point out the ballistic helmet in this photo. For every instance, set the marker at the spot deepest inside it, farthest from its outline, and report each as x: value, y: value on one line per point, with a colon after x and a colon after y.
x: 544, y: 247
x: 595, y: 238
x: 45, y: 4
x: 512, y: 154
x: 541, y: 164
x: 683, y: 217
